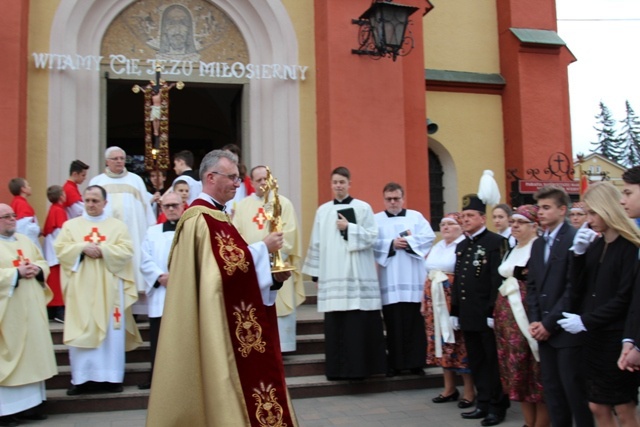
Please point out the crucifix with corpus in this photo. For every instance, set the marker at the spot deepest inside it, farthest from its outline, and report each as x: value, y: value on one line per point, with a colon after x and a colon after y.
x: 156, y: 121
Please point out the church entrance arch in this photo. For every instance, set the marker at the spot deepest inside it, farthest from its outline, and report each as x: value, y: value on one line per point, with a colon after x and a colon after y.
x: 90, y: 111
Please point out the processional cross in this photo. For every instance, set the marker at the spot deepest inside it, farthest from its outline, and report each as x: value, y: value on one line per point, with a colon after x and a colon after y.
x: 156, y: 121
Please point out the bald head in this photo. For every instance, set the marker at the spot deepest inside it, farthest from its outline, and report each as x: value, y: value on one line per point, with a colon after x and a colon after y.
x: 7, y: 220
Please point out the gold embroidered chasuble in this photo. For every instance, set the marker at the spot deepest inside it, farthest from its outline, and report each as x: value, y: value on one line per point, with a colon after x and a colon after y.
x: 26, y: 349
x: 90, y: 287
x: 210, y: 368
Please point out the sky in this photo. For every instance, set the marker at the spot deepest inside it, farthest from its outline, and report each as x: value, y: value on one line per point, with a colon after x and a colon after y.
x: 604, y: 36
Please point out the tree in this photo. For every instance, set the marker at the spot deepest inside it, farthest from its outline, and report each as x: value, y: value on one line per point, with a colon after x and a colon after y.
x: 608, y: 143
x: 630, y: 138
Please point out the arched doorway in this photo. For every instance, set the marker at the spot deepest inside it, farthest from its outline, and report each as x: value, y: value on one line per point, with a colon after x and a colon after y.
x: 203, y: 117
x: 269, y: 125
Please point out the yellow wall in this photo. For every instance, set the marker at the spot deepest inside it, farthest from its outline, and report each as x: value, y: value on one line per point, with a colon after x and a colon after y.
x: 301, y: 14
x: 470, y: 129
x: 461, y: 35
x: 41, y: 14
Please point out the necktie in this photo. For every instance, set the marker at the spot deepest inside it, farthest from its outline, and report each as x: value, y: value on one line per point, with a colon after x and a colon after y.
x: 547, y: 247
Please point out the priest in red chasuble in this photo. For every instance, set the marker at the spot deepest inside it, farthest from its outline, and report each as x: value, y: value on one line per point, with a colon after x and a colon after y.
x: 95, y: 253
x: 218, y: 361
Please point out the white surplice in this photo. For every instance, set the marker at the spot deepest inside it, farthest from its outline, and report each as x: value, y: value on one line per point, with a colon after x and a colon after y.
x: 155, y: 255
x: 346, y: 272
x: 402, y: 275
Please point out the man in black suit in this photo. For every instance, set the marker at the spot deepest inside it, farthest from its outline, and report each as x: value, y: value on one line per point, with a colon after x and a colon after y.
x: 630, y: 355
x: 547, y: 297
x: 472, y: 301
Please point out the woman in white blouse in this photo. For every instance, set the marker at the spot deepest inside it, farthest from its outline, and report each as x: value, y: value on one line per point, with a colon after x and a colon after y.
x: 445, y: 347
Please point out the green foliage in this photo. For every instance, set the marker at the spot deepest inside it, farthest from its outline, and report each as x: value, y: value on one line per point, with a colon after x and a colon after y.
x: 608, y: 143
x: 629, y: 137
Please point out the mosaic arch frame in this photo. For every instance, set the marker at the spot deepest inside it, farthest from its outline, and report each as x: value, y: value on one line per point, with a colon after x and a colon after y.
x: 76, y: 119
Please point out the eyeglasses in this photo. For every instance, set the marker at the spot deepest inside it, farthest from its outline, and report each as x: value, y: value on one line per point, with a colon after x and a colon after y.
x: 115, y: 159
x: 9, y: 216
x: 393, y: 199
x: 235, y: 178
x: 171, y: 206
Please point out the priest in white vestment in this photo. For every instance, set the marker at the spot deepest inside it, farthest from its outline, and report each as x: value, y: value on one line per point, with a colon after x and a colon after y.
x: 155, y: 258
x: 95, y: 254
x: 129, y: 202
x: 251, y: 221
x: 340, y: 258
x: 26, y: 349
x: 404, y: 239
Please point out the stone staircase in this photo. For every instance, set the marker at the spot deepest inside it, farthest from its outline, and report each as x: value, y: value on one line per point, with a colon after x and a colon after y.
x: 304, y: 370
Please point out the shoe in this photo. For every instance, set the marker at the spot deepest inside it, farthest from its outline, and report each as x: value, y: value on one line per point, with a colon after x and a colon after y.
x: 417, y: 371
x: 33, y: 414
x: 476, y: 414
x: 492, y: 420
x: 442, y: 399
x: 464, y: 403
x: 112, y: 387
x: 145, y: 386
x: 9, y: 421
x: 75, y: 390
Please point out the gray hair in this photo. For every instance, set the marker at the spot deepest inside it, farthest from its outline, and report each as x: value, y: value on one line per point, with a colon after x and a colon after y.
x: 110, y: 150
x: 212, y: 158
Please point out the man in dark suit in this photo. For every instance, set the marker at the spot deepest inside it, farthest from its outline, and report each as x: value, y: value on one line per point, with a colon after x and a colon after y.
x: 547, y: 297
x: 630, y: 355
x: 472, y: 301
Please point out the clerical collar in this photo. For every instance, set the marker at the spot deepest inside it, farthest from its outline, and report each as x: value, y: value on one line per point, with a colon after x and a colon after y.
x: 343, y: 201
x: 98, y: 218
x: 169, y: 226
x: 8, y: 238
x: 403, y: 212
x: 210, y: 199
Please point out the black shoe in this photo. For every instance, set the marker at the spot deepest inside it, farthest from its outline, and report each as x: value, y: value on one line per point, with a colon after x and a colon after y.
x: 9, y: 421
x: 464, y: 403
x: 476, y: 414
x: 492, y: 420
x: 33, y: 414
x: 112, y: 387
x: 393, y: 372
x: 145, y: 386
x: 75, y: 390
x: 442, y: 399
x: 417, y: 371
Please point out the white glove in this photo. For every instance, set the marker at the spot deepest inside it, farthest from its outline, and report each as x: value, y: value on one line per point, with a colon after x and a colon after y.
x: 490, y: 322
x: 583, y: 238
x: 572, y: 323
x: 455, y: 323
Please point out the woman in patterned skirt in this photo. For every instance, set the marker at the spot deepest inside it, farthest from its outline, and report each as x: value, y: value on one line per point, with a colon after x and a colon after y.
x: 445, y: 347
x: 517, y: 350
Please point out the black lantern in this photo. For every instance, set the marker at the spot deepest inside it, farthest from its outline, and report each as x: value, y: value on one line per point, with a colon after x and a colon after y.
x: 383, y: 30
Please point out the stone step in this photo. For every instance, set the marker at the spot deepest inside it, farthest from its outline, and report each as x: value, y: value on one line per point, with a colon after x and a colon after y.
x: 140, y: 354
x: 299, y: 388
x: 298, y: 365
x: 135, y: 373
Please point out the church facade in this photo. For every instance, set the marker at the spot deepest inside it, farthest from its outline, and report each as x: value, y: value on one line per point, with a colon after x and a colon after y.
x: 279, y: 79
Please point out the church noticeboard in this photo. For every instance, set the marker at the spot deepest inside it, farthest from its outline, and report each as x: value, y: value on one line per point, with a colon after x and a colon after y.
x: 532, y: 186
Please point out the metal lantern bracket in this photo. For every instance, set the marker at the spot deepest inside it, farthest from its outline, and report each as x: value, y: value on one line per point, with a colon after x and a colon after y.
x: 384, y: 30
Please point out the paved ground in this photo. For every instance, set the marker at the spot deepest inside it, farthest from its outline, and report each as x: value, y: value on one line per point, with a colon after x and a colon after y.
x: 397, y: 409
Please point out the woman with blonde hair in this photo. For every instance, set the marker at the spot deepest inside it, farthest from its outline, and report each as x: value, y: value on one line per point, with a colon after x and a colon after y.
x: 602, y: 286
